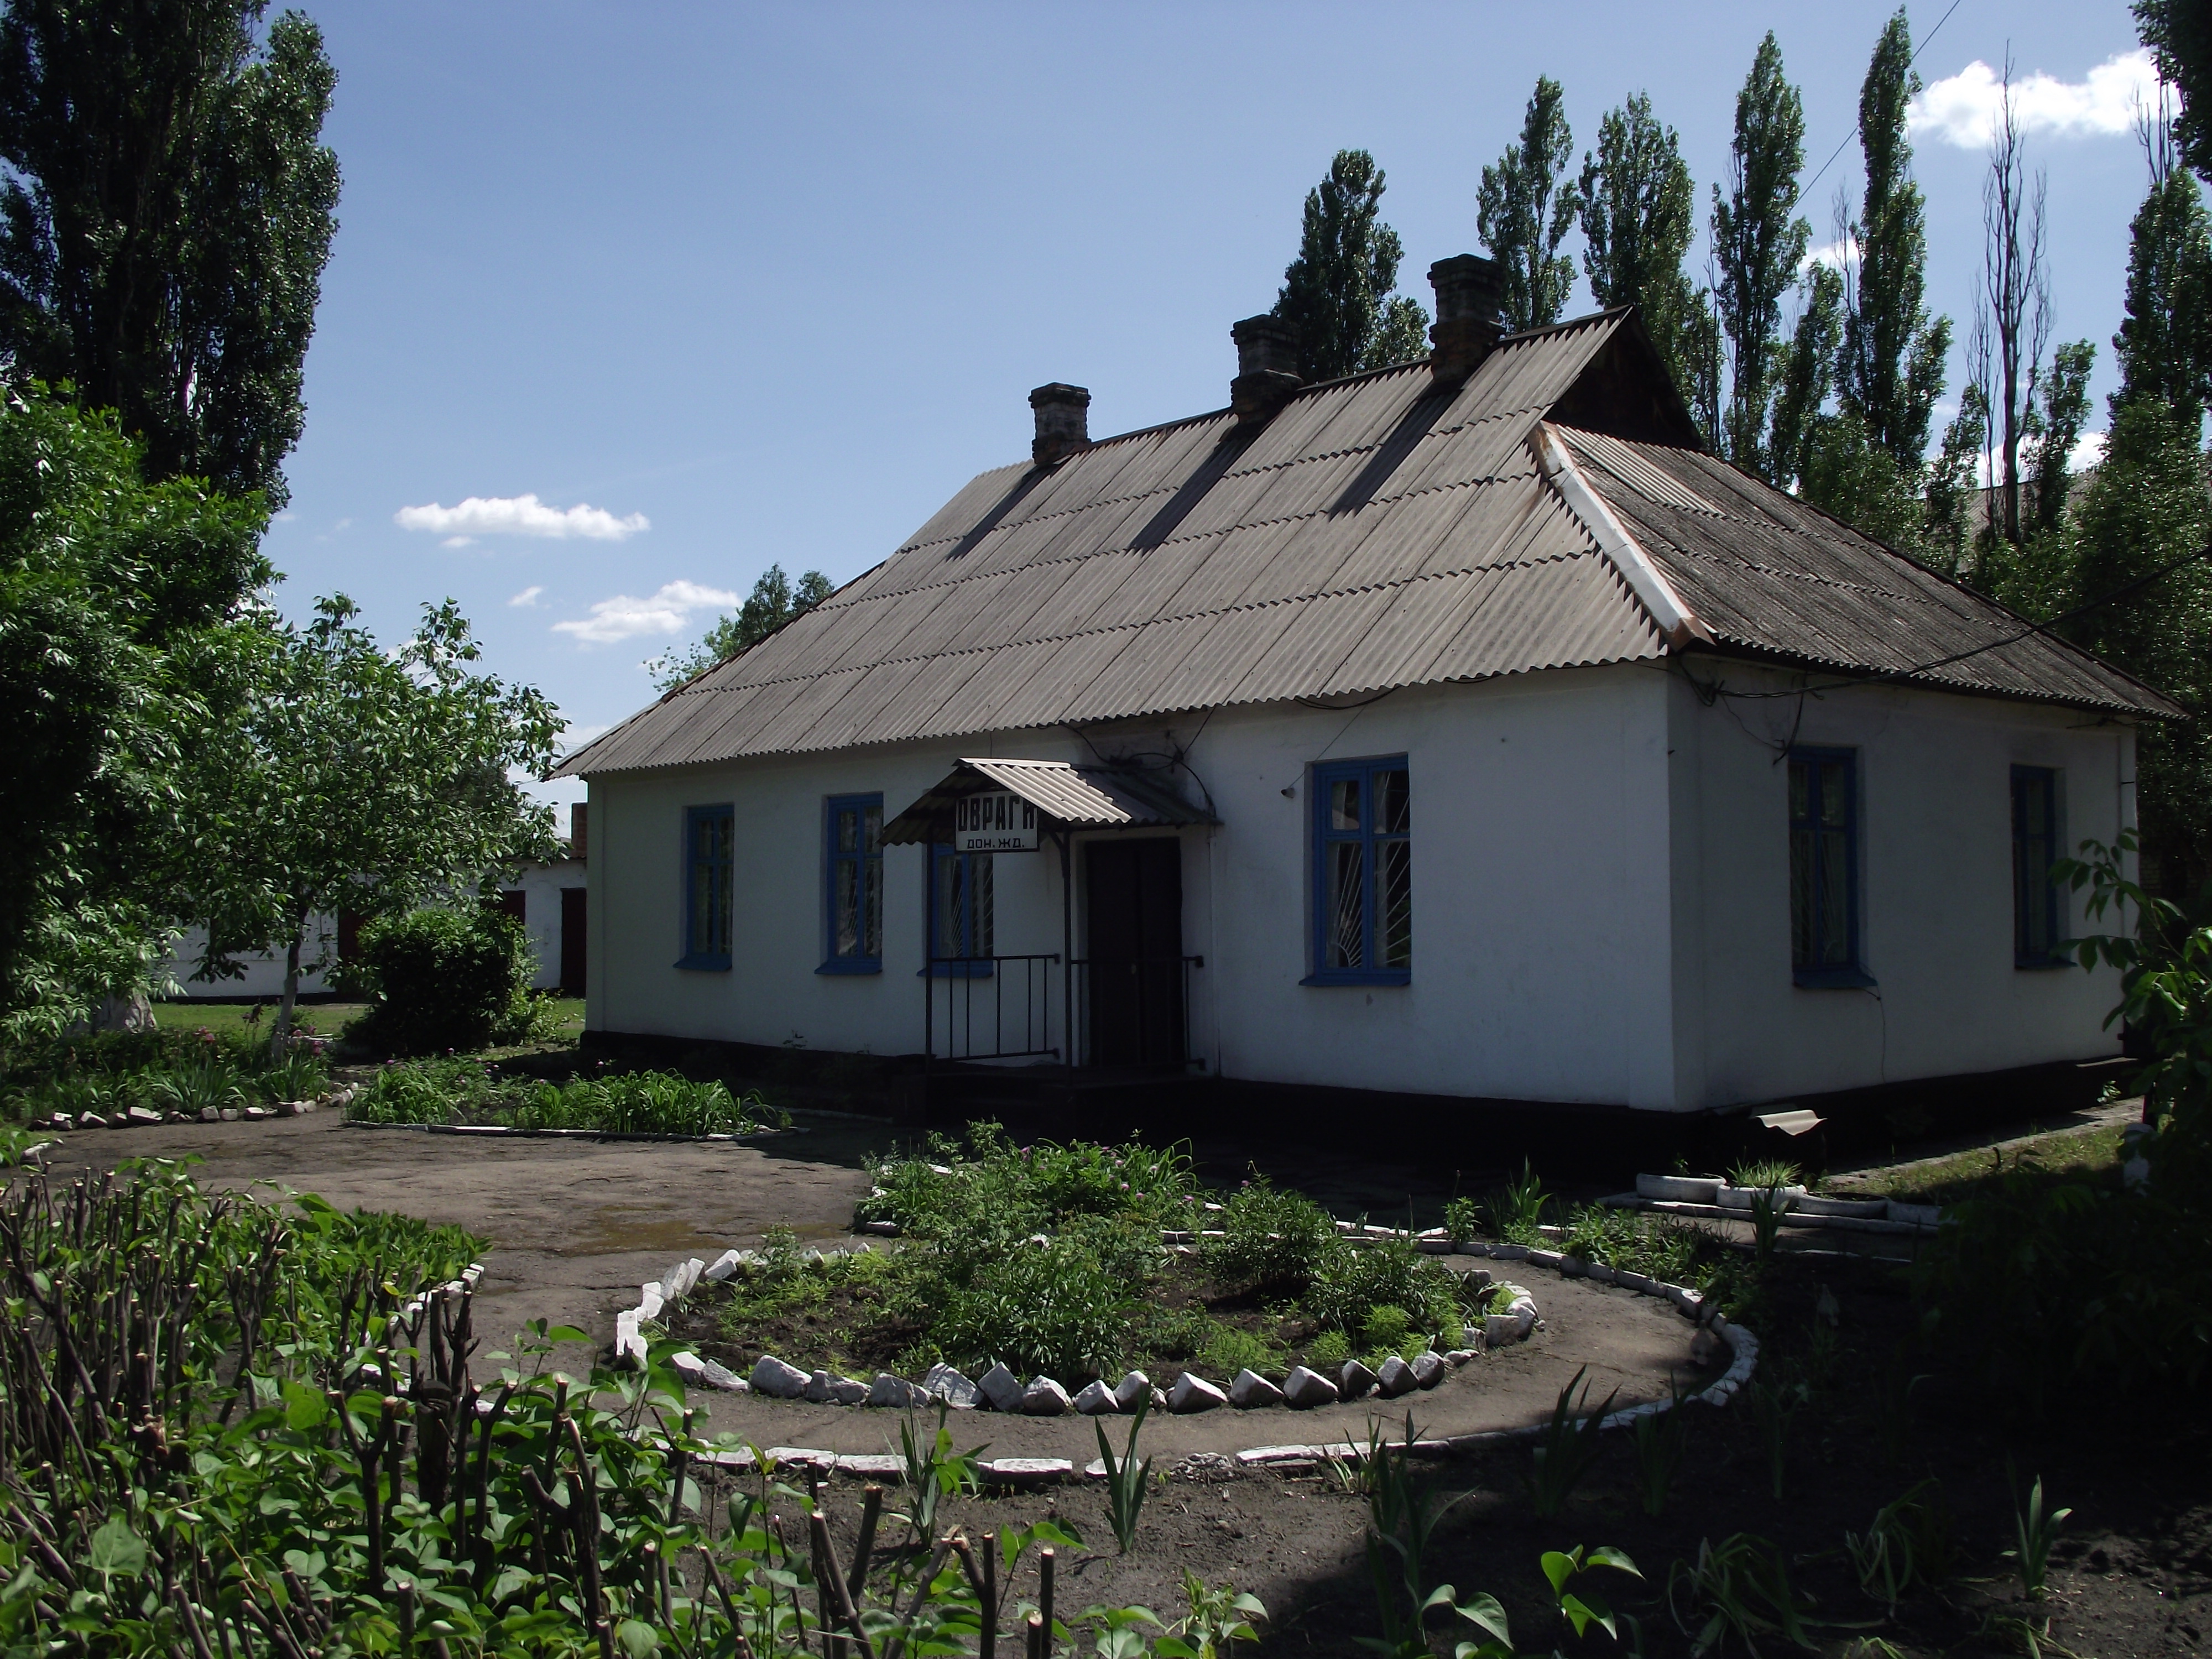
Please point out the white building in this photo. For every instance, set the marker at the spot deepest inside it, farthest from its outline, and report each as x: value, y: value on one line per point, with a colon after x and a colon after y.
x: 1458, y: 729
x: 547, y: 899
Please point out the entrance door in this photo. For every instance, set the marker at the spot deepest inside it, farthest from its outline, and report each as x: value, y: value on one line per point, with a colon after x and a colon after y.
x: 1136, y: 995
x: 572, y: 941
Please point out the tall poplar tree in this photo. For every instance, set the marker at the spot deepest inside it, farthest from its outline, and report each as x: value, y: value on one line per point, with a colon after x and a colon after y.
x: 1758, y: 245
x: 2165, y: 341
x: 2179, y: 34
x: 1527, y: 206
x: 163, y: 234
x: 1639, y: 213
x: 1891, y: 368
x: 2146, y: 509
x: 1336, y: 294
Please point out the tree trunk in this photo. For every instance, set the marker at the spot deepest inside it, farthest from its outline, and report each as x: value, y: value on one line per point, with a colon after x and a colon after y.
x: 278, y: 1036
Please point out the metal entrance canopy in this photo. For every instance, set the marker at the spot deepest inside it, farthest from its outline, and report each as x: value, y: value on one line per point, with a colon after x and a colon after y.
x: 1068, y: 797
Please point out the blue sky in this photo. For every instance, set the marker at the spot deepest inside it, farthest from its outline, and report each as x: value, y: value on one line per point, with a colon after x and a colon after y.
x: 723, y: 286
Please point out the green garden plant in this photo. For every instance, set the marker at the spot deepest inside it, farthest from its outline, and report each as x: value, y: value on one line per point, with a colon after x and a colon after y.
x: 1660, y: 1438
x: 1127, y: 1481
x: 1516, y: 1212
x: 1569, y: 1444
x: 1764, y: 1173
x: 310, y: 1465
x: 1578, y: 1605
x: 2035, y: 1530
x: 1270, y: 1239
x: 1401, y: 1514
x: 1906, y: 1546
x: 1219, y: 1617
x: 1767, y: 1210
x: 1773, y: 1404
x: 1738, y: 1589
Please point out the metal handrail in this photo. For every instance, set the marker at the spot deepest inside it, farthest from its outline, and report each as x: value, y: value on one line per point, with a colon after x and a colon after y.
x: 1034, y: 971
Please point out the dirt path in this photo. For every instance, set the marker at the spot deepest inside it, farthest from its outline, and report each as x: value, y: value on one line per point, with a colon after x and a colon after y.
x: 576, y: 1225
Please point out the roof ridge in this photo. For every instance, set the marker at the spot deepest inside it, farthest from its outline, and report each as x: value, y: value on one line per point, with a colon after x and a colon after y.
x: 1515, y: 563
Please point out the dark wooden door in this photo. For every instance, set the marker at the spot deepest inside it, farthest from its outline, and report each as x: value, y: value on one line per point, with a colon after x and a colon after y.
x: 1135, y: 890
x: 572, y: 941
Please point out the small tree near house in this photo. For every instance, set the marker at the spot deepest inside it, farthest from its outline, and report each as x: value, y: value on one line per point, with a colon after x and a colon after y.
x: 346, y: 775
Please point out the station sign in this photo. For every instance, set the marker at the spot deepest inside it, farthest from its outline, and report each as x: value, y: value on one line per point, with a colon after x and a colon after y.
x: 998, y: 822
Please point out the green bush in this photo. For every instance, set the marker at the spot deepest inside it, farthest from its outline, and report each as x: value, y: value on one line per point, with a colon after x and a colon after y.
x: 1228, y: 1350
x: 987, y: 1184
x: 2066, y: 1282
x: 1050, y: 1308
x: 1355, y: 1280
x: 440, y: 979
x: 1269, y: 1239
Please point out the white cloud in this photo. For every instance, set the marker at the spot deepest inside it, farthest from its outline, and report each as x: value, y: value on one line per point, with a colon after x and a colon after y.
x: 528, y: 596
x: 2089, y: 453
x: 520, y: 515
x: 668, y: 612
x: 1962, y: 109
x: 459, y: 541
x: 1836, y: 255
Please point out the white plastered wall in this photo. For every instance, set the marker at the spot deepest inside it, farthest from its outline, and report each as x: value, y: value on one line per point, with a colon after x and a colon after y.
x: 1541, y: 894
x: 1936, y: 884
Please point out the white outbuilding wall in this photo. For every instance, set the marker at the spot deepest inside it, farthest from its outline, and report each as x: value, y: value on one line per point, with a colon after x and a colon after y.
x: 1600, y: 881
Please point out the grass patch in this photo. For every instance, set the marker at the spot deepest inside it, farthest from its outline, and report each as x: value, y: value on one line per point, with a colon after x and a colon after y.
x: 252, y: 1019
x: 2091, y: 1154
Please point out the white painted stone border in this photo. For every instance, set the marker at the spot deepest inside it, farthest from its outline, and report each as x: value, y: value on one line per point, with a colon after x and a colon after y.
x: 684, y: 1276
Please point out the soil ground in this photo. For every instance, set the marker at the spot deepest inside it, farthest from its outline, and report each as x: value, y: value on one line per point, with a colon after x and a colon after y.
x: 576, y: 1225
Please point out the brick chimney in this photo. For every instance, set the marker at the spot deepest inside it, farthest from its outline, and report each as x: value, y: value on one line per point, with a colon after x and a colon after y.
x: 1063, y: 423
x: 1470, y: 295
x: 579, y: 826
x: 1267, y: 368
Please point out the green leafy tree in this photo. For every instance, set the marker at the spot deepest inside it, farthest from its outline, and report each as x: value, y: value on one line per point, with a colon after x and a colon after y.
x: 1336, y: 294
x: 1639, y: 215
x: 107, y: 587
x: 163, y: 235
x: 1890, y: 367
x: 2179, y: 34
x: 1526, y: 207
x: 352, y: 777
x: 1957, y: 517
x: 1808, y: 377
x: 2165, y: 342
x: 774, y: 601
x: 2143, y: 509
x: 2059, y: 411
x: 1758, y: 246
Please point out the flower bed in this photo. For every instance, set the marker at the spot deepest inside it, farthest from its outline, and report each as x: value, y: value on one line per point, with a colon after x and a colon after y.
x: 170, y: 1072
x: 460, y: 1091
x: 1049, y: 1260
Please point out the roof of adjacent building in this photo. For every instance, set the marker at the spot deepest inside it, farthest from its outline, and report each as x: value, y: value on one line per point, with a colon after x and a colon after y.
x: 1378, y: 532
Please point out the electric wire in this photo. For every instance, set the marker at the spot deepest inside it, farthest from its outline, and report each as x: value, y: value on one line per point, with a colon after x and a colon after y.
x: 1857, y: 126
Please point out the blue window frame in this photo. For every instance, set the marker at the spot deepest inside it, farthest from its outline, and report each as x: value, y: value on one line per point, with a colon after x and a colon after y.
x: 710, y: 840
x: 1363, y: 872
x: 1823, y: 868
x: 852, y: 884
x: 2035, y: 930
x: 961, y: 924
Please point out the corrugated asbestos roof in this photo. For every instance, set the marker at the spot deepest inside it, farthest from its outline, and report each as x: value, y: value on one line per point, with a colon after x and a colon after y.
x: 1084, y: 796
x: 1374, y: 534
x: 1768, y: 574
